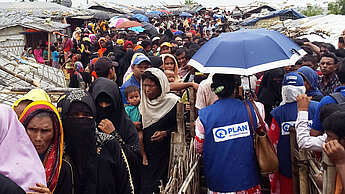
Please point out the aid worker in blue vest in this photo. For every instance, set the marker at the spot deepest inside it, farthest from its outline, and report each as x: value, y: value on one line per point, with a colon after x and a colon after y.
x: 224, y: 136
x: 285, y: 116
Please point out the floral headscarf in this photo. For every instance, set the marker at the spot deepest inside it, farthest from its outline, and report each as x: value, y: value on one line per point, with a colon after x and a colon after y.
x: 53, y: 157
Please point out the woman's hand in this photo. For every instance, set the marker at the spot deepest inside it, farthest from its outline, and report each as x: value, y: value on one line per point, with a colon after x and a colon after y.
x: 137, y: 124
x: 106, y: 126
x: 158, y: 136
x: 39, y: 189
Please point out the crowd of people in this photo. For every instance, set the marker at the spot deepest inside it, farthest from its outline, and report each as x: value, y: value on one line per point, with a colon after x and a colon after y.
x: 113, y: 134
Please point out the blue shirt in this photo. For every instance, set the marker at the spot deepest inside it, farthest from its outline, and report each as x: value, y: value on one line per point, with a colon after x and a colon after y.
x: 133, y: 113
x: 55, y: 55
x: 130, y: 82
x: 325, y: 100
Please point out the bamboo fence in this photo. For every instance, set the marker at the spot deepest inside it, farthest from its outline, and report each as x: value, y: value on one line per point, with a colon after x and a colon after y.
x: 184, y: 161
x: 307, y: 170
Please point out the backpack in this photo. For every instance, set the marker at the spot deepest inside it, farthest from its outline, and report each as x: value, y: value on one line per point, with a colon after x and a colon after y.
x: 340, y: 99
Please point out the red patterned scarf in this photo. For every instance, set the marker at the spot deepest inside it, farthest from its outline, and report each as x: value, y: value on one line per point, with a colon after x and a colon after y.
x: 53, y: 157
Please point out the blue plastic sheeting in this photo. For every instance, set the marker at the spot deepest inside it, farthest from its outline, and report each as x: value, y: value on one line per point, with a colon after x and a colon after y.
x: 273, y: 14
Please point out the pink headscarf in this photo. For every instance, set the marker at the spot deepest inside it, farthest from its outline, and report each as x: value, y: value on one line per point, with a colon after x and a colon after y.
x: 19, y: 160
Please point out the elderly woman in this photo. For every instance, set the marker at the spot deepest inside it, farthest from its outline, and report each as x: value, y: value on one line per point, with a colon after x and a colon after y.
x: 285, y: 116
x: 158, y: 110
x: 99, y: 164
x: 42, y: 123
x: 20, y: 166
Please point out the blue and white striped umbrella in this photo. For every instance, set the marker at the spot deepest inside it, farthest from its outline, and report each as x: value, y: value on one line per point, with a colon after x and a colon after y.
x: 246, y: 52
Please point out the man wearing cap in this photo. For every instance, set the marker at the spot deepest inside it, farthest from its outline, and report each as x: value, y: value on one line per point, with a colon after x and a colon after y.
x: 285, y: 116
x: 105, y: 67
x: 165, y: 48
x: 140, y: 63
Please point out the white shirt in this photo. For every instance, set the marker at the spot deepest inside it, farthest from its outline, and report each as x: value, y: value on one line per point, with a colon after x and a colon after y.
x: 304, y: 140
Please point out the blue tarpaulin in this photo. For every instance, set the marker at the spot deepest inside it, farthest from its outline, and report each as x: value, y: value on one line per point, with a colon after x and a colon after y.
x: 272, y: 15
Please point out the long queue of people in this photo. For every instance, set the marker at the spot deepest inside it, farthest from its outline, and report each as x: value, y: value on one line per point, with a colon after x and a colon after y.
x: 113, y: 135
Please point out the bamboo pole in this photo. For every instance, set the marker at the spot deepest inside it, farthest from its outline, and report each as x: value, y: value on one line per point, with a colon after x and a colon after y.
x: 303, y: 172
x: 49, y: 54
x: 192, y: 111
x: 28, y: 80
x: 294, y: 161
x: 329, y: 175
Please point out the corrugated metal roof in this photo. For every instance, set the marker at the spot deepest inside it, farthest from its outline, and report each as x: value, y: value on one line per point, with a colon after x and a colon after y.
x: 39, y: 9
x: 10, y: 19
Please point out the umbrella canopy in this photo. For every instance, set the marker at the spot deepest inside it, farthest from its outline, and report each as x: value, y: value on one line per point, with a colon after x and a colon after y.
x: 117, y: 21
x: 178, y: 32
x: 177, y: 12
x: 138, y: 12
x: 186, y: 14
x: 153, y: 16
x: 246, y: 52
x: 137, y: 29
x: 165, y: 11
x: 141, y: 17
x: 150, y: 28
x: 129, y: 24
x: 101, y: 16
x: 155, y: 12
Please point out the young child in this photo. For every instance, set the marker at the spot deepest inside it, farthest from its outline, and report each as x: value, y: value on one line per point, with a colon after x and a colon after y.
x: 170, y: 75
x: 133, y: 98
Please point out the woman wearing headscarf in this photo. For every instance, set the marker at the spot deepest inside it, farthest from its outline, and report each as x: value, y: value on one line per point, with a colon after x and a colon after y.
x: 158, y: 110
x: 80, y: 79
x: 102, y: 46
x: 285, y: 116
x: 19, y: 161
x: 29, y: 53
x: 269, y: 92
x: 128, y: 45
x: 224, y: 137
x: 98, y: 162
x: 42, y: 123
x: 170, y: 63
x: 111, y: 118
x: 311, y: 82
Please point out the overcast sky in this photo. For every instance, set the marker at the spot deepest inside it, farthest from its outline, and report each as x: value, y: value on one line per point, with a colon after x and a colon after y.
x: 157, y: 2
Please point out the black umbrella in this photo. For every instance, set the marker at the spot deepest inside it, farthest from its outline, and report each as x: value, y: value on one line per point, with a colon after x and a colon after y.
x: 153, y: 16
x: 101, y: 16
x: 138, y: 12
x: 150, y: 28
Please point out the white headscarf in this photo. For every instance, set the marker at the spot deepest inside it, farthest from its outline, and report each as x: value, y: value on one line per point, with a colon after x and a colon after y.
x: 153, y: 110
x: 290, y: 92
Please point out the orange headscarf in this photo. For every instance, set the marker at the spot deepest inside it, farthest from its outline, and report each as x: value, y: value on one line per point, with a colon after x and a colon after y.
x: 101, y: 50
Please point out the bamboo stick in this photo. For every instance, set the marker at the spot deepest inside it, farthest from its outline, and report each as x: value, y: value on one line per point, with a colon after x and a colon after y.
x: 329, y: 175
x: 294, y: 160
x: 28, y: 80
x: 192, y: 111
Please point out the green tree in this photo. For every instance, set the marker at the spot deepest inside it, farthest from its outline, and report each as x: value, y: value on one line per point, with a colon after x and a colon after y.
x: 312, y: 10
x: 337, y: 7
x: 188, y: 2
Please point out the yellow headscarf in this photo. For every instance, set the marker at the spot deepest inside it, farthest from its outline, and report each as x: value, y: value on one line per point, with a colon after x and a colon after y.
x: 33, y: 95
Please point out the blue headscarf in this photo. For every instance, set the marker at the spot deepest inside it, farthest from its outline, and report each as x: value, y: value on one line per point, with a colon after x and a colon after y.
x: 311, y: 76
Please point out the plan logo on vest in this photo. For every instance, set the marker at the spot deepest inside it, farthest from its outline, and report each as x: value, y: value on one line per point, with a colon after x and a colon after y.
x: 286, y: 125
x: 234, y: 131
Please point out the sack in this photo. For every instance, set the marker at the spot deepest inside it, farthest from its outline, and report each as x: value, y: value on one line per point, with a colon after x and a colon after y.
x: 265, y: 152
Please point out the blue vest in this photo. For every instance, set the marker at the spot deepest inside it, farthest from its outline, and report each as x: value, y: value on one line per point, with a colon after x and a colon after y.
x: 229, y: 157
x: 286, y: 116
